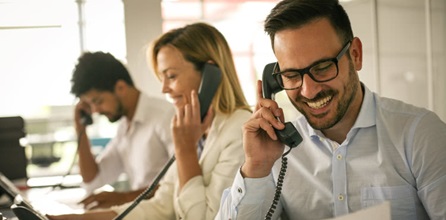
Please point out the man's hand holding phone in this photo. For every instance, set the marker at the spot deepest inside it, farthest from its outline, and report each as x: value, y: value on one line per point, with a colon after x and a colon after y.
x: 82, y: 116
x: 261, y: 145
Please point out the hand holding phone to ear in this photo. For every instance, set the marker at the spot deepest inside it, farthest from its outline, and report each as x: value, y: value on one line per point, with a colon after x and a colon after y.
x: 266, y: 133
x: 260, y: 142
x: 193, y: 119
x: 187, y: 126
x: 82, y: 115
x: 87, y: 164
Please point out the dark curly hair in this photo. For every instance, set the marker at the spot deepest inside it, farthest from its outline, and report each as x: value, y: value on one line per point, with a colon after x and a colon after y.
x: 99, y: 71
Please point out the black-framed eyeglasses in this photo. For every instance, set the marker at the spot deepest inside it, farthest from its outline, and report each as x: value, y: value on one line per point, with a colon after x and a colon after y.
x: 321, y: 71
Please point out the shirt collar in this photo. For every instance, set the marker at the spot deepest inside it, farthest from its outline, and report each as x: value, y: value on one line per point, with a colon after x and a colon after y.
x: 140, y: 113
x: 367, y: 114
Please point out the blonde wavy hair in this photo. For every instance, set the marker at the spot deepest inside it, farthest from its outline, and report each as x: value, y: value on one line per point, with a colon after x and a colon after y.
x: 200, y: 43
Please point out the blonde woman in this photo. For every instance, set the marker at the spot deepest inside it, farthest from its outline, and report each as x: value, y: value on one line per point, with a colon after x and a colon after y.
x: 207, y: 153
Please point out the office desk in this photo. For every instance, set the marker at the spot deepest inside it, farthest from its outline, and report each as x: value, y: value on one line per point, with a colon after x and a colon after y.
x: 51, y: 201
x: 56, y: 201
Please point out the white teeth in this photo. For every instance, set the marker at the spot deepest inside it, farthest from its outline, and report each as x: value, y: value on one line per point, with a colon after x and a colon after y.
x: 319, y: 104
x: 169, y: 98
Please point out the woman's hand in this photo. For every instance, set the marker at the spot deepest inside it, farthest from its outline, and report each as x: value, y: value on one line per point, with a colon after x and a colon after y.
x: 187, y: 128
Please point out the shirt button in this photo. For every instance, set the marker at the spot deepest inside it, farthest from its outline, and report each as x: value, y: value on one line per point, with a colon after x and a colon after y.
x: 239, y: 190
x: 339, y: 157
x: 340, y: 197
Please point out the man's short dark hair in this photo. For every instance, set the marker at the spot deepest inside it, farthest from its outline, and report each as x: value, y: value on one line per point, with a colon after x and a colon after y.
x: 295, y: 13
x: 99, y: 71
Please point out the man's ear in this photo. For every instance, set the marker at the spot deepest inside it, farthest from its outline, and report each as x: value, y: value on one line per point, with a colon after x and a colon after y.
x: 120, y: 87
x: 356, y: 53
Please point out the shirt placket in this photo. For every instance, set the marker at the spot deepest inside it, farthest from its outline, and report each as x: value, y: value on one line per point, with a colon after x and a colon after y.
x: 126, y: 144
x: 339, y: 175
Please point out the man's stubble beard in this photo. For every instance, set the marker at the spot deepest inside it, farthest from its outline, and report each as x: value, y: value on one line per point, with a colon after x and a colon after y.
x: 350, y: 88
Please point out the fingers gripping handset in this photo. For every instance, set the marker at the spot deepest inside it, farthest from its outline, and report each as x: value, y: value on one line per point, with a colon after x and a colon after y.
x: 210, y: 80
x: 83, y: 113
x: 289, y: 135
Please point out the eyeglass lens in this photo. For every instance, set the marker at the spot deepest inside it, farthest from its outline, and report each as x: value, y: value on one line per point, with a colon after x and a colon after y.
x: 320, y: 72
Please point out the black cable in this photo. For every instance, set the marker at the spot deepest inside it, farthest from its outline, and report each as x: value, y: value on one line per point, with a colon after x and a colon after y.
x: 73, y: 162
x: 282, y: 172
x: 85, y: 120
x: 146, y: 192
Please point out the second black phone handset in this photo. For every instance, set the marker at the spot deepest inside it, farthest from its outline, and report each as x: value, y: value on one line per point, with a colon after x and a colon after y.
x: 85, y: 118
x: 210, y: 81
x: 288, y: 136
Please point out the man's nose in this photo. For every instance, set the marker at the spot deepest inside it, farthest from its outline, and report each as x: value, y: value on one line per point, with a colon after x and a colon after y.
x: 309, y: 88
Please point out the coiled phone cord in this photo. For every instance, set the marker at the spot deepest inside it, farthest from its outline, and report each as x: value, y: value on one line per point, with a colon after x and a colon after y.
x: 282, y: 172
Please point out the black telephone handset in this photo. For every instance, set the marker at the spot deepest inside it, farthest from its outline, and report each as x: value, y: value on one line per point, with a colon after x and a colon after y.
x: 210, y: 80
x: 86, y: 118
x: 289, y: 135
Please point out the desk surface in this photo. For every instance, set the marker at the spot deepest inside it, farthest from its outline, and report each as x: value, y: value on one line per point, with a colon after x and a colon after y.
x: 56, y: 201
x: 51, y: 201
x: 71, y: 181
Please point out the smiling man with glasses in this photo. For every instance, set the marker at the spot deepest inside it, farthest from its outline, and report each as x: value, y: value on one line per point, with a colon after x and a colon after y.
x: 358, y: 149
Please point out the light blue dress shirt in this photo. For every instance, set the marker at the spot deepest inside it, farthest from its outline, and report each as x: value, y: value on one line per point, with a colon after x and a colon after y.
x: 394, y: 152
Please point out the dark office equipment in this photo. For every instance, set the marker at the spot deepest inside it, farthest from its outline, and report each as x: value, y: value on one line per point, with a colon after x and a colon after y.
x: 13, y: 160
x: 21, y: 207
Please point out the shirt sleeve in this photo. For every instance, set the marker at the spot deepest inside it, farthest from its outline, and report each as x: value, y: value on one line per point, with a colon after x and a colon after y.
x: 110, y: 167
x: 248, y: 198
x: 199, y: 198
x: 429, y: 168
x: 222, y: 156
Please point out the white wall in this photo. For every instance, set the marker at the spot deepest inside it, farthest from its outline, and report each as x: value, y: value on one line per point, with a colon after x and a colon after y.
x: 438, y: 8
x: 143, y: 24
x: 404, y: 49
